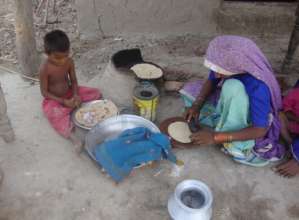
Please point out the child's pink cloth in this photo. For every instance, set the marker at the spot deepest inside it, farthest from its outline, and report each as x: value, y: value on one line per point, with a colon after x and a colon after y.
x: 291, y: 104
x: 59, y: 116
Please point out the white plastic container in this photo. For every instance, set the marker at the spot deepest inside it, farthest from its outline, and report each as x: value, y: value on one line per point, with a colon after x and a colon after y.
x: 191, y: 200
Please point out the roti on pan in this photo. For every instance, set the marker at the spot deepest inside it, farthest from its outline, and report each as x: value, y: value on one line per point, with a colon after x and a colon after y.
x: 180, y: 132
x: 147, y: 71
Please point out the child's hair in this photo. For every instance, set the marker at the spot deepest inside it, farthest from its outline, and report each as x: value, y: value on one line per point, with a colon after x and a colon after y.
x: 56, y: 41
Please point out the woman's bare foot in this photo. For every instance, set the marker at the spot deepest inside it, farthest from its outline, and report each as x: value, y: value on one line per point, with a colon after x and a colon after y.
x: 288, y: 169
x: 77, y: 142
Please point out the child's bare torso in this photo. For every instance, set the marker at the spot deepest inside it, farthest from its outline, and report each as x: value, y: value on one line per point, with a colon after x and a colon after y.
x: 58, y: 78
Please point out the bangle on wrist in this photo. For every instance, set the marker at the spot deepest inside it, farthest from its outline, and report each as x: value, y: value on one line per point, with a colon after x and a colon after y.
x: 221, y: 138
x: 198, y: 101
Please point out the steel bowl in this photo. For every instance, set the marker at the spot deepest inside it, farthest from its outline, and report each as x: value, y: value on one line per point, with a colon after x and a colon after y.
x: 112, y: 127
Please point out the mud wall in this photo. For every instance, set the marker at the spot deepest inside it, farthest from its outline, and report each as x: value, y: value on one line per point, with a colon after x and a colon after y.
x: 97, y: 18
x: 155, y: 17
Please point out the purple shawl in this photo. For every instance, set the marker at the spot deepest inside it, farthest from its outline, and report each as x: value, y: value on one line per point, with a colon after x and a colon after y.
x: 241, y: 55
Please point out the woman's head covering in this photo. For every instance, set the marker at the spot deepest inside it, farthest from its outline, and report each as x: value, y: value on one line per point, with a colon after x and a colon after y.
x: 230, y: 55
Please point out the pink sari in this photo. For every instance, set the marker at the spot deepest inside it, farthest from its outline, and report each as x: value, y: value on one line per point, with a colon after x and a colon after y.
x: 59, y: 116
x: 291, y: 103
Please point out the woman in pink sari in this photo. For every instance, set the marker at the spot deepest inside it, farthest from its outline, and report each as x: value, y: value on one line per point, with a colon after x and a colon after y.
x: 290, y: 168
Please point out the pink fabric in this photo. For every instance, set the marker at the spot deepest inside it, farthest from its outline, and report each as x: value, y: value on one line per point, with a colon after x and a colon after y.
x: 291, y: 104
x: 59, y: 116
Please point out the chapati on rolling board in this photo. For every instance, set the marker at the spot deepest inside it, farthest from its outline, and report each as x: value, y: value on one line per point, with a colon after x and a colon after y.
x: 180, y: 132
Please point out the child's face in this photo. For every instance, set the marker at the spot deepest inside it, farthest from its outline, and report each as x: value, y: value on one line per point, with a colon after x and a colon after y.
x: 59, y: 58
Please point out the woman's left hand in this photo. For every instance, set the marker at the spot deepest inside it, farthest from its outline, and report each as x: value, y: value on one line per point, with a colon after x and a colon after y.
x: 203, y: 137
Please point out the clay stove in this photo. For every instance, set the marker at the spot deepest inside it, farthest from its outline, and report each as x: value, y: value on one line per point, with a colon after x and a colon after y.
x: 118, y: 81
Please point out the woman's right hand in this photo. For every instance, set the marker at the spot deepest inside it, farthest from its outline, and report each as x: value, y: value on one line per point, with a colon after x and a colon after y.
x: 192, y: 113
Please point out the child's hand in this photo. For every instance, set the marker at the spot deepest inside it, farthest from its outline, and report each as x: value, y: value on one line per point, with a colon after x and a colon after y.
x: 77, y: 100
x: 70, y: 103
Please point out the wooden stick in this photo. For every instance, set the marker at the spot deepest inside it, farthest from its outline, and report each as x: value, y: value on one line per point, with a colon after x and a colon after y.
x: 54, y: 6
x: 8, y: 70
x: 22, y: 75
x: 39, y: 7
x: 46, y: 14
x: 293, y: 45
x: 6, y: 131
x: 54, y: 22
x: 35, y: 79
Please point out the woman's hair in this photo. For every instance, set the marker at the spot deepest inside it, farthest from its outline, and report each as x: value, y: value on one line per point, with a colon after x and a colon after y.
x: 56, y: 41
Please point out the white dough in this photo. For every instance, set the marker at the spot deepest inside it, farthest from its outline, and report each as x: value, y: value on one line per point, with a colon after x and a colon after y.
x: 147, y: 71
x: 180, y: 132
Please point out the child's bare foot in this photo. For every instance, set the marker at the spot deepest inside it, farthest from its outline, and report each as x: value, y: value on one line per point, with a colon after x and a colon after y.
x: 77, y: 142
x: 288, y: 169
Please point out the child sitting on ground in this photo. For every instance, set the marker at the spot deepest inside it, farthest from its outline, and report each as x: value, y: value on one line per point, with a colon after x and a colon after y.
x: 290, y: 168
x: 58, y: 84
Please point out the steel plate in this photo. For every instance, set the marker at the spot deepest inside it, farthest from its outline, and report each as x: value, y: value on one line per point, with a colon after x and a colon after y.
x: 112, y: 127
x: 84, y: 105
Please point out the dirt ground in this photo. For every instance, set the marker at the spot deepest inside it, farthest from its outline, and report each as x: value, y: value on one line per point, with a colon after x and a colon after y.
x: 45, y: 179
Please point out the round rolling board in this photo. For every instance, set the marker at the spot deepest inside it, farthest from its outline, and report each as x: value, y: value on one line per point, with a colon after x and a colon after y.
x: 164, y: 129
